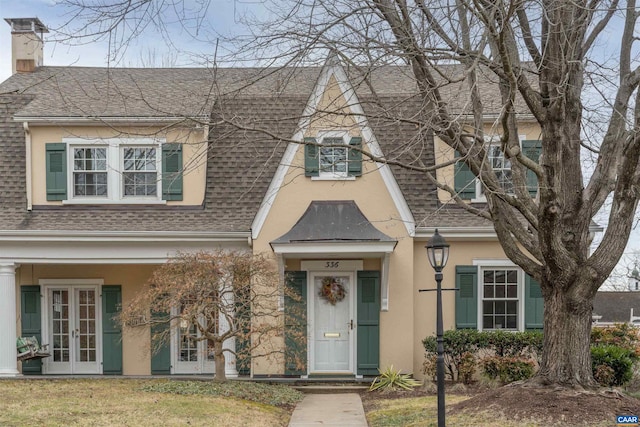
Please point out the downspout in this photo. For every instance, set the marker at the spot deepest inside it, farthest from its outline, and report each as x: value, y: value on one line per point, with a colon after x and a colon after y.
x: 27, y: 151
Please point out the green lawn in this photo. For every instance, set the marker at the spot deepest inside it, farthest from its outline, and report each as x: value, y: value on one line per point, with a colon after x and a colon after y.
x: 127, y: 402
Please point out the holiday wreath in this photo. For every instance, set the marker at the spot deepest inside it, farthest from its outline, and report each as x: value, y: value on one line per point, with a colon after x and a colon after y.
x: 332, y: 290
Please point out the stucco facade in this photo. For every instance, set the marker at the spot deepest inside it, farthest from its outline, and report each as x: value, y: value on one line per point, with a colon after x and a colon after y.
x: 63, y: 254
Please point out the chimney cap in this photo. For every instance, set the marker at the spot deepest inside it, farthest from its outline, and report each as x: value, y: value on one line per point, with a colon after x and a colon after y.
x: 26, y: 25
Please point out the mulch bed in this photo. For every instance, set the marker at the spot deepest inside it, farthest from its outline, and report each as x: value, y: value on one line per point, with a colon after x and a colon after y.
x: 541, y: 405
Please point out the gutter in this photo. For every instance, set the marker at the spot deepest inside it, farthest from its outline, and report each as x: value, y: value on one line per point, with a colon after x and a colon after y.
x: 28, y: 166
x: 48, y: 120
x: 122, y: 236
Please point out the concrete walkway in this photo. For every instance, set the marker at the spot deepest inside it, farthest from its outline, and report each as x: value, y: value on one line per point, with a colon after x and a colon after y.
x: 343, y: 409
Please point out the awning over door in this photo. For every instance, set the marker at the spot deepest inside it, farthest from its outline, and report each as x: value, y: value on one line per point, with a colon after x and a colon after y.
x: 334, y: 227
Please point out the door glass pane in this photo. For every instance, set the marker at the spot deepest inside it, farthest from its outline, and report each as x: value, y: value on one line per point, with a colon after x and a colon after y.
x: 85, y: 327
x: 60, y: 325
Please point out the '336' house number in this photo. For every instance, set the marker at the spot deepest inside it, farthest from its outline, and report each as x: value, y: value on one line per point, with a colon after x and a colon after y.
x: 332, y: 264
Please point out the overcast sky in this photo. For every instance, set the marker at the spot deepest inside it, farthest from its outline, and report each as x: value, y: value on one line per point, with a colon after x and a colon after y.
x: 223, y: 15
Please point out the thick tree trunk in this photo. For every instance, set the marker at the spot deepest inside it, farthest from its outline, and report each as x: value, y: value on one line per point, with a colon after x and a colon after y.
x: 566, y: 359
x: 218, y: 357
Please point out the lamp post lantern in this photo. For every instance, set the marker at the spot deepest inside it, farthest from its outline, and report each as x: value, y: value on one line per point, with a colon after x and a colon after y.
x: 438, y: 253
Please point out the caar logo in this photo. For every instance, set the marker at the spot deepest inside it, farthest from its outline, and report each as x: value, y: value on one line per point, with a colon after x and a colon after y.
x: 627, y: 420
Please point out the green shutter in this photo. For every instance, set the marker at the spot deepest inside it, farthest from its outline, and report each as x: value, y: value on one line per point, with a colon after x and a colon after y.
x: 355, y: 157
x: 533, y: 304
x: 532, y: 149
x: 172, y: 171
x: 56, y: 153
x: 368, y: 322
x: 111, y: 330
x: 464, y: 180
x: 30, y: 315
x: 295, y: 325
x: 311, y: 158
x: 467, y: 297
x: 160, y: 355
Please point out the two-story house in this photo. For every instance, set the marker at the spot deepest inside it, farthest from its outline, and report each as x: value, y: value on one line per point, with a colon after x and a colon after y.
x: 107, y: 172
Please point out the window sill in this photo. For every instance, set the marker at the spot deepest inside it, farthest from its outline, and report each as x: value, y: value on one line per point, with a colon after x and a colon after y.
x: 333, y: 178
x: 114, y: 202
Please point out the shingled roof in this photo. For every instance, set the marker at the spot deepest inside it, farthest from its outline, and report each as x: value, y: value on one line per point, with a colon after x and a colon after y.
x: 241, y: 162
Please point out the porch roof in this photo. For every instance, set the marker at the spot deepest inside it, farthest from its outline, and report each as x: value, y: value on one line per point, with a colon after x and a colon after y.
x: 331, y: 222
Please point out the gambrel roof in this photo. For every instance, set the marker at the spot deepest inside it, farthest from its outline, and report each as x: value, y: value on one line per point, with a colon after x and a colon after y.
x: 242, y: 160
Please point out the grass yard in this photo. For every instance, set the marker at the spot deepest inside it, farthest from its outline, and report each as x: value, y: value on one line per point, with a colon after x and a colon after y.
x: 129, y: 402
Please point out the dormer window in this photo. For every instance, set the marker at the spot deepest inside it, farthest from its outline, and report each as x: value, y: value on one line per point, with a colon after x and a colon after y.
x: 333, y: 155
x: 470, y: 188
x: 116, y: 170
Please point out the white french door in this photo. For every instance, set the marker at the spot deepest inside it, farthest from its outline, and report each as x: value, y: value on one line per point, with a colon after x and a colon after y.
x: 73, y: 326
x: 189, y: 354
x: 332, y: 315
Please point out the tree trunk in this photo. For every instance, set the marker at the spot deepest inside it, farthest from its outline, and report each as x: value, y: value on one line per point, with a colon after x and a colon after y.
x: 219, y: 359
x: 566, y: 359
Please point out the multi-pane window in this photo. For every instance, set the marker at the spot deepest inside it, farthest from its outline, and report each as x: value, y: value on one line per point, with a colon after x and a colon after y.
x: 333, y: 158
x: 90, y: 171
x: 139, y: 171
x: 501, y: 167
x: 500, y: 298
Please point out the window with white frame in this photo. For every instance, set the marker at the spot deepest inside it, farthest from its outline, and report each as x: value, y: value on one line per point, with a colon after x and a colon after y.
x: 114, y: 169
x: 333, y: 157
x: 139, y: 171
x: 500, y: 298
x: 90, y: 171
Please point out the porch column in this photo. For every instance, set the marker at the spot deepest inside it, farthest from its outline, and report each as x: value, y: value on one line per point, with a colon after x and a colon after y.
x: 228, y: 303
x: 8, y: 355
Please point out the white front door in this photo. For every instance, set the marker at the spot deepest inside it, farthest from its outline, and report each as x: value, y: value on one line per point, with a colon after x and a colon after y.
x: 332, y: 325
x: 73, y: 326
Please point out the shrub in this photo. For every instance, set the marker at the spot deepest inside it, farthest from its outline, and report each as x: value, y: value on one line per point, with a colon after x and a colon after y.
x: 467, y: 368
x: 620, y: 360
x: 456, y: 344
x: 459, y: 342
x: 621, y: 335
x: 391, y: 379
x: 507, y: 369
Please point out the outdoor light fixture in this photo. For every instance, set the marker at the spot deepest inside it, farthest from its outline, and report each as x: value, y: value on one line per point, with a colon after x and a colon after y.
x: 438, y: 251
x: 438, y: 254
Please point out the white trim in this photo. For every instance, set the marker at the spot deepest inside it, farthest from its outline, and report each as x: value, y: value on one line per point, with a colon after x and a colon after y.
x: 106, y: 251
x: 70, y: 282
x: 342, y: 248
x: 332, y: 68
x: 28, y: 165
x: 384, y: 283
x: 123, y: 236
x: 324, y: 266
x: 71, y: 120
x: 453, y: 233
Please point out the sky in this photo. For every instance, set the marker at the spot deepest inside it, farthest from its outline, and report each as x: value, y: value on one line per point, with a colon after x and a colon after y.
x: 223, y: 15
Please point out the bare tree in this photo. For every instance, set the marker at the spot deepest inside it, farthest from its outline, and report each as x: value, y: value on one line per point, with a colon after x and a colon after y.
x: 546, y: 59
x: 214, y: 297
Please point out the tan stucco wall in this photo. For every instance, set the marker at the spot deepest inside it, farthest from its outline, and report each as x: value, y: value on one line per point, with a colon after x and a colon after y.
x: 460, y: 253
x: 371, y: 195
x: 193, y: 155
x: 135, y: 342
x: 444, y: 153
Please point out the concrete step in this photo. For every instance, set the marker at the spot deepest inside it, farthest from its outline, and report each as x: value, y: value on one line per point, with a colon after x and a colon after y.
x: 331, y: 388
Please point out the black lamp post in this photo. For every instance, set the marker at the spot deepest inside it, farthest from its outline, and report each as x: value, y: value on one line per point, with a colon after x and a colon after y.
x: 438, y: 253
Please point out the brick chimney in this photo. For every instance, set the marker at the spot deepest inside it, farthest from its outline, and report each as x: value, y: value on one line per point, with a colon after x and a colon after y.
x: 27, y: 43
